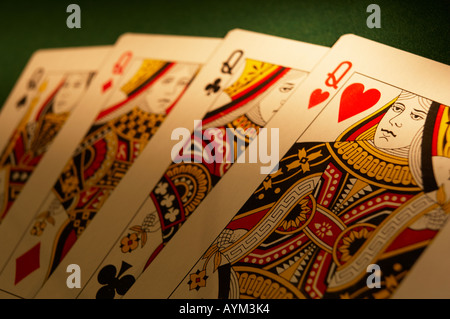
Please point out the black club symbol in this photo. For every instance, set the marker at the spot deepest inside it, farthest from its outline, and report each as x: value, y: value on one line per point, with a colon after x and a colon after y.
x: 107, y: 276
x: 21, y: 102
x: 213, y: 87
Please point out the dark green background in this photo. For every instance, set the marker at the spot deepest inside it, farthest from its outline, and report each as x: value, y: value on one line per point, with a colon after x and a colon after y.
x: 420, y: 27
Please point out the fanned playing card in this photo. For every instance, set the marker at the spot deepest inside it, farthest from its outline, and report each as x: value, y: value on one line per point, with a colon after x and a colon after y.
x: 247, y: 80
x: 47, y: 92
x: 135, y: 91
x: 356, y: 198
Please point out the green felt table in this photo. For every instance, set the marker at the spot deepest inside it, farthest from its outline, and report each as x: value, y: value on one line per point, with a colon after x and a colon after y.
x: 420, y: 27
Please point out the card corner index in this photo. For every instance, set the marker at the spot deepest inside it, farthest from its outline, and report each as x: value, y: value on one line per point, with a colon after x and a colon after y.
x: 236, y: 30
x: 128, y: 34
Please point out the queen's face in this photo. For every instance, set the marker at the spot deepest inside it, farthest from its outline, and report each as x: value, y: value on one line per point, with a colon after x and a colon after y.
x: 166, y: 89
x: 70, y: 92
x: 400, y: 124
x: 279, y: 94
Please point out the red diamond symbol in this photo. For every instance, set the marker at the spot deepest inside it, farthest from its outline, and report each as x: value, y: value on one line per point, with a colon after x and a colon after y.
x: 27, y: 263
x: 107, y: 85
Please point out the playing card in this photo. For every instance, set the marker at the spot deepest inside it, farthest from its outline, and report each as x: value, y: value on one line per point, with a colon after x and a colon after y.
x: 135, y: 91
x: 356, y: 198
x: 42, y: 100
x: 247, y: 80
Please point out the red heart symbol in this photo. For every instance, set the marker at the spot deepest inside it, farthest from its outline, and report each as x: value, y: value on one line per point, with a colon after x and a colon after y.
x: 354, y: 100
x: 317, y: 96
